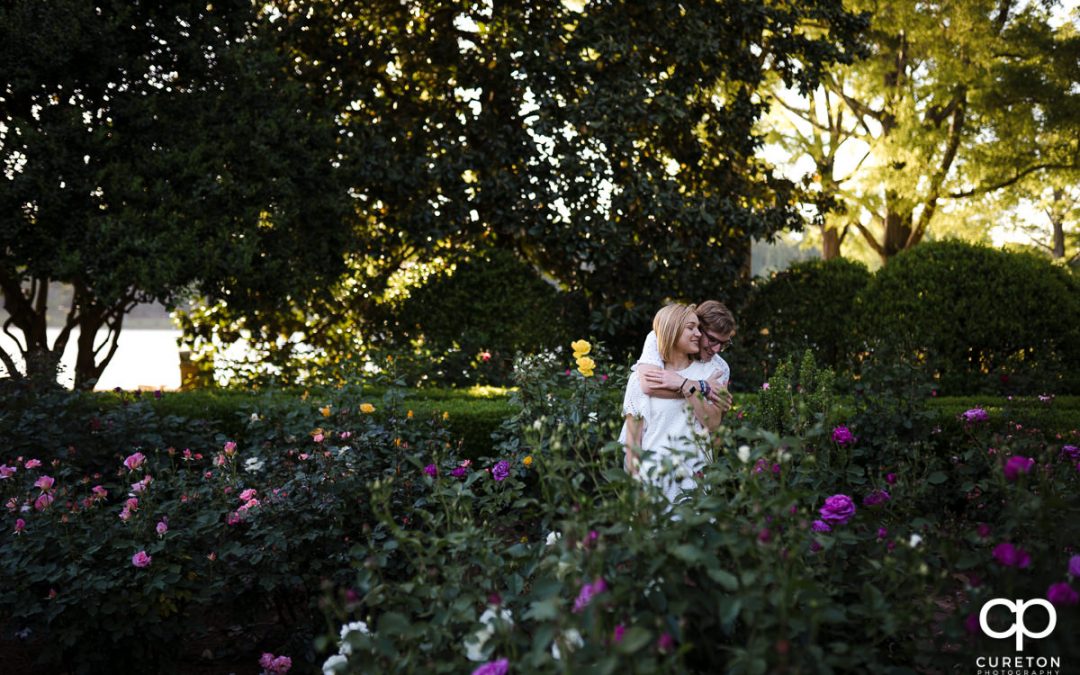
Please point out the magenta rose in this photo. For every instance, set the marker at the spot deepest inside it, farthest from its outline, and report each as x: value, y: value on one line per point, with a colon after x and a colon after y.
x: 876, y: 498
x: 1074, y: 566
x: 141, y: 560
x: 841, y: 435
x: 431, y: 470
x: 837, y: 510
x: 1016, y: 466
x: 499, y: 667
x: 1062, y: 594
x: 1011, y: 556
x: 975, y: 415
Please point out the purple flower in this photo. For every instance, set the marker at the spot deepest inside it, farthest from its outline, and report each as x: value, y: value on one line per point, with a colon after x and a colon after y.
x: 500, y: 667
x: 1071, y: 451
x: 587, y: 593
x: 1062, y: 594
x: 882, y: 533
x: 814, y: 546
x: 620, y: 630
x: 975, y: 415
x: 890, y: 478
x: 1074, y: 566
x: 1011, y: 556
x: 838, y: 510
x: 876, y: 498
x: 431, y: 470
x: 666, y: 643
x: 971, y: 624
x: 459, y: 472
x: 983, y: 530
x: 841, y: 435
x: 501, y: 470
x: 820, y: 526
x: 1016, y: 466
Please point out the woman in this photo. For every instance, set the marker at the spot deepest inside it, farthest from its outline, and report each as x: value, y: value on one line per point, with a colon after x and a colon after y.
x: 663, y: 429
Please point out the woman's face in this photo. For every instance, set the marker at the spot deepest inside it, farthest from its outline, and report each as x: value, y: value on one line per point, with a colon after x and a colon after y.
x: 689, y: 336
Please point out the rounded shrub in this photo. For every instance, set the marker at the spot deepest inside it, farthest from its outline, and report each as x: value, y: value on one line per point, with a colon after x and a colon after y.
x: 808, y: 306
x: 472, y: 321
x: 982, y: 319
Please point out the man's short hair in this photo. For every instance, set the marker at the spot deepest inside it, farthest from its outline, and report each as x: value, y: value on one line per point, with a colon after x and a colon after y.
x: 716, y: 316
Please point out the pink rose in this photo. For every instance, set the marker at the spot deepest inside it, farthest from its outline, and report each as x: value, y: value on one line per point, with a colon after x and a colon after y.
x: 20, y: 525
x: 230, y: 447
x: 134, y: 461
x: 162, y: 526
x: 7, y: 471
x: 43, y: 501
x: 32, y: 463
x: 45, y: 483
x: 248, y: 494
x: 99, y: 492
x: 141, y: 560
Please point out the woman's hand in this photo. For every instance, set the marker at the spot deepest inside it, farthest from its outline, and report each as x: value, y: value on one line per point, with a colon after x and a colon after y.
x: 631, y: 463
x: 718, y: 391
x: 658, y: 378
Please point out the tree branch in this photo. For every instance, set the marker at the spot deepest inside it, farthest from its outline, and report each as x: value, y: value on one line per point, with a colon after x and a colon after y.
x: 1009, y: 181
x: 870, y: 239
x: 9, y: 364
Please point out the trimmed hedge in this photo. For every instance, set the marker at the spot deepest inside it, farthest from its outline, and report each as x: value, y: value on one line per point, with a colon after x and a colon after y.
x: 808, y: 306
x: 984, y: 320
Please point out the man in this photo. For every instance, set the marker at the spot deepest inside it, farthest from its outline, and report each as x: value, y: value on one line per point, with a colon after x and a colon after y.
x: 717, y: 326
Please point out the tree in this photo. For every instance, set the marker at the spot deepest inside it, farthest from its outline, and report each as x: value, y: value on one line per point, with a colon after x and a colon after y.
x: 608, y: 144
x: 956, y: 100
x: 150, y: 151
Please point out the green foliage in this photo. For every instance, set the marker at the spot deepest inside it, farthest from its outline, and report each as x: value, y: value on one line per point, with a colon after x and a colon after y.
x: 472, y: 320
x: 631, y: 178
x: 189, y: 158
x: 982, y: 320
x: 368, y: 513
x: 930, y: 127
x: 795, y: 401
x: 808, y: 306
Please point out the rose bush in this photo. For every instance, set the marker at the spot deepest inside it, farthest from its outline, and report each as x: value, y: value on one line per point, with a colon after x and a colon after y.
x: 803, y: 548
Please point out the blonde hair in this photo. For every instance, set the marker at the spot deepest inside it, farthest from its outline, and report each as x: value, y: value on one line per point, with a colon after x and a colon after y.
x: 668, y: 324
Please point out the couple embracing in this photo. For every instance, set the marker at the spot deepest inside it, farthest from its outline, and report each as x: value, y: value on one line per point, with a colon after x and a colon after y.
x: 676, y: 393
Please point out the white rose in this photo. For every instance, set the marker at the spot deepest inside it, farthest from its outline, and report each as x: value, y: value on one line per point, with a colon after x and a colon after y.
x: 330, y: 666
x: 572, y: 639
x: 474, y: 644
x: 914, y: 541
x: 743, y: 453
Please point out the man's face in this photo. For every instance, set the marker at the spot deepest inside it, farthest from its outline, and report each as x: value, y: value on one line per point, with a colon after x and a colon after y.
x: 713, y: 342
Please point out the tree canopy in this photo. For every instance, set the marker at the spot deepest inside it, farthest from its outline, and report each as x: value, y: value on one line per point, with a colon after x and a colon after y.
x: 610, y: 145
x: 153, y: 150
x: 956, y: 101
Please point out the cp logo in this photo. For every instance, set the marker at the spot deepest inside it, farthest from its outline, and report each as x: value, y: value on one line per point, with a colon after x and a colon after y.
x: 1019, y: 629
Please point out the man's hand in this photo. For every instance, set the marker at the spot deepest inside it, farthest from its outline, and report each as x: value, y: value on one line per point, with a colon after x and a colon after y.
x: 718, y: 391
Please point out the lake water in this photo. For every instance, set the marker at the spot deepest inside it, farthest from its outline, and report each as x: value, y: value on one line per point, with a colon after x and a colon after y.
x: 144, y: 358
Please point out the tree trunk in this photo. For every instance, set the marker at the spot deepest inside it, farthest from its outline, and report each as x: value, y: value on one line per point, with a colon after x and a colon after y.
x: 830, y: 243
x: 897, y: 229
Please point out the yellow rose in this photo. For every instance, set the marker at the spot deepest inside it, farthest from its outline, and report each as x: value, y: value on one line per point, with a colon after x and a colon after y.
x: 409, y: 414
x: 581, y: 348
x: 586, y: 366
x: 325, y: 411
x: 445, y: 416
x: 367, y: 408
x: 527, y: 461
